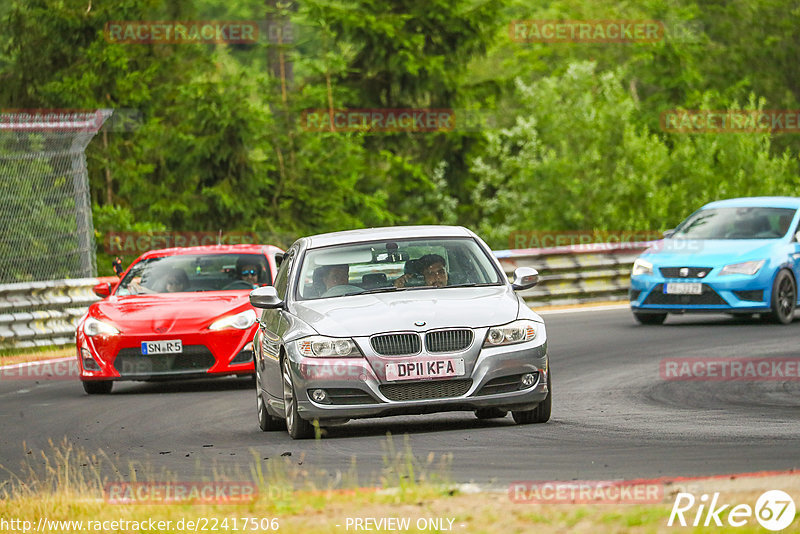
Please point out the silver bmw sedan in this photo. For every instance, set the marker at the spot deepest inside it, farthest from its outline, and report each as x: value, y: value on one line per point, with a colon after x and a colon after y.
x: 393, y: 321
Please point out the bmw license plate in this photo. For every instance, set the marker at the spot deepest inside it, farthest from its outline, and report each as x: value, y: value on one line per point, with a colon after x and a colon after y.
x: 683, y: 288
x: 425, y: 369
x: 169, y: 346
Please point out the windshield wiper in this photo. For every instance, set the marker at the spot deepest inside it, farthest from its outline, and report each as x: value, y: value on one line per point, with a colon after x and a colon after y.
x: 382, y: 289
x: 475, y: 284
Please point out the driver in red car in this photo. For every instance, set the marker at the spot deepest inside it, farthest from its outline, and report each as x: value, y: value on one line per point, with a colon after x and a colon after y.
x: 249, y: 273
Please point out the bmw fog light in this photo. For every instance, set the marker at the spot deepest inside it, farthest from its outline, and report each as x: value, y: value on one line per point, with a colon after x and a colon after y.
x: 320, y: 396
x: 528, y: 379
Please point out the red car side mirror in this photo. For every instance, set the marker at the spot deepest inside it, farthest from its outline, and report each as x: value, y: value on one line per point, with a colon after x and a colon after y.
x: 102, y: 290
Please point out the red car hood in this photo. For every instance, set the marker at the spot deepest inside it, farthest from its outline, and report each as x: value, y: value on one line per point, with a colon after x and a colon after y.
x: 169, y: 312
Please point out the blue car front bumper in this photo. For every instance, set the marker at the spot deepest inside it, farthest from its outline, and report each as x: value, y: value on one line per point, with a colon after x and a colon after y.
x: 726, y: 293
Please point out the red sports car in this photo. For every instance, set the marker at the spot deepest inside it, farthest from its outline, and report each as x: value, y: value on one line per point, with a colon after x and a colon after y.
x: 175, y: 313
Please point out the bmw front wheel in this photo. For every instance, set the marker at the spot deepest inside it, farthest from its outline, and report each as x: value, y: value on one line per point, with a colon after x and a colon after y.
x: 265, y: 421
x: 297, y: 427
x: 540, y: 414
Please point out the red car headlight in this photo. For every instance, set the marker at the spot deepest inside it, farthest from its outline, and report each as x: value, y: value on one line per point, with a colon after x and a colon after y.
x: 94, y: 327
x: 240, y: 321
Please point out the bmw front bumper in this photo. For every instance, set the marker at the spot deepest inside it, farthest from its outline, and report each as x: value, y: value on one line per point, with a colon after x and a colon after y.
x: 357, y: 387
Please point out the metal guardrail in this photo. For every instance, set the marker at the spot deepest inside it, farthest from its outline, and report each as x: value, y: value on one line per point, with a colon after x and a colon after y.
x: 41, y: 314
x: 576, y: 274
x: 37, y: 314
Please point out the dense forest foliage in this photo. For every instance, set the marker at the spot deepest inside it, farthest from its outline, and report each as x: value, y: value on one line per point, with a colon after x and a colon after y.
x: 572, y: 137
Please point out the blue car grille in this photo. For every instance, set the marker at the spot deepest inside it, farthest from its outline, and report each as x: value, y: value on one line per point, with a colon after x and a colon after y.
x: 709, y: 297
x: 692, y: 272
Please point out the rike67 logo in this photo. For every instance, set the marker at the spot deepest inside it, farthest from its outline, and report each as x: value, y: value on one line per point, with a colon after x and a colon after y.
x: 774, y: 511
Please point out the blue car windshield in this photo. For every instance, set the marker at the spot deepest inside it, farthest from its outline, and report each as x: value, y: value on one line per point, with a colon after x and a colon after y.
x: 736, y: 223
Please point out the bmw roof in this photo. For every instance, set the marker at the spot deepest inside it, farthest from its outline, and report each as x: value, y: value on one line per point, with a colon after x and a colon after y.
x: 752, y: 202
x: 390, y: 232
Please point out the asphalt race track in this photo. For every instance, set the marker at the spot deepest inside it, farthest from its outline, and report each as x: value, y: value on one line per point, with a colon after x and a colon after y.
x: 613, y: 415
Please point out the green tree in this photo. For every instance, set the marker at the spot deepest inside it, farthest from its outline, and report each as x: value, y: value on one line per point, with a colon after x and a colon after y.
x: 576, y: 159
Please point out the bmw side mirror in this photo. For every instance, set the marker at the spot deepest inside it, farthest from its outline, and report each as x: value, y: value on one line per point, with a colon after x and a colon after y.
x: 525, y: 278
x: 265, y: 297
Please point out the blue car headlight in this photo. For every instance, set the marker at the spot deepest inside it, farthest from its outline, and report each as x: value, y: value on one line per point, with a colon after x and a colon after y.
x: 641, y: 267
x: 748, y: 268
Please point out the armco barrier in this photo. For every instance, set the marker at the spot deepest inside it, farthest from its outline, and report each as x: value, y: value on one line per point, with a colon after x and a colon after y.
x: 576, y: 274
x: 38, y: 314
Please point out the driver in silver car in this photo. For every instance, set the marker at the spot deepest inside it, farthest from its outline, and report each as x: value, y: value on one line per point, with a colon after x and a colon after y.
x: 433, y: 270
x: 333, y: 276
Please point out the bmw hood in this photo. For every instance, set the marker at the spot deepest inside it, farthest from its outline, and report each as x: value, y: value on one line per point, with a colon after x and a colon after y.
x: 168, y: 312
x: 413, y: 309
x: 707, y: 252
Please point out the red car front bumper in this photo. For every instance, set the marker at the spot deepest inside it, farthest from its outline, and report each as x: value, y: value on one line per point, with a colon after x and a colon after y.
x: 208, y: 352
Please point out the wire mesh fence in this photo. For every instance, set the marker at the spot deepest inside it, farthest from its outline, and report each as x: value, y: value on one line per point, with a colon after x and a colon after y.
x: 46, y: 230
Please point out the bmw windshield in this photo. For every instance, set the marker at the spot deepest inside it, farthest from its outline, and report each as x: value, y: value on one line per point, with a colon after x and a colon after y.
x: 395, y: 265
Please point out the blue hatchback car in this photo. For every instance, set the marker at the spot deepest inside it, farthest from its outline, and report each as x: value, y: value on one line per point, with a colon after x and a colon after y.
x: 737, y: 256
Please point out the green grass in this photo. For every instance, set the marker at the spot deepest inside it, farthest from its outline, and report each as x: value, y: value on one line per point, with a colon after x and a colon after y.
x: 66, y: 482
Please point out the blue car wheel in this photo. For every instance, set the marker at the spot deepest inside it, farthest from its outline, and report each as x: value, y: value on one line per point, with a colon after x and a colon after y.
x: 784, y: 297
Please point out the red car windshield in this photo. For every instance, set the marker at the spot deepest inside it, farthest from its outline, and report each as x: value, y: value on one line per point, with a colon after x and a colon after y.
x: 201, y: 272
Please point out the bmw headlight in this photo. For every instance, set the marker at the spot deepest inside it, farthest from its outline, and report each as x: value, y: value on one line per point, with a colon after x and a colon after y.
x: 516, y: 332
x: 641, y: 267
x: 94, y: 327
x: 240, y: 321
x: 327, y: 347
x: 748, y: 268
